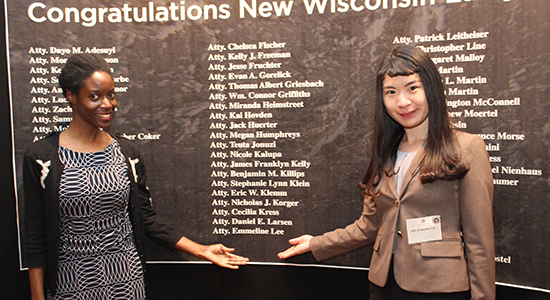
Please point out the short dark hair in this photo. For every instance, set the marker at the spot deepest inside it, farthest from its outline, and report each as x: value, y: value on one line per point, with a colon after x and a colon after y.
x: 78, y: 68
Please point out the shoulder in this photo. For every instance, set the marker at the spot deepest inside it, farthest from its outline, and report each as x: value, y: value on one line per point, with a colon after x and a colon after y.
x: 465, y: 137
x: 128, y: 148
x: 470, y: 145
x: 44, y: 146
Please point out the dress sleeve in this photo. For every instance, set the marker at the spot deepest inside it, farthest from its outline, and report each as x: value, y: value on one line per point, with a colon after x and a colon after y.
x: 356, y: 235
x: 476, y: 206
x: 156, y: 228
x: 35, y: 213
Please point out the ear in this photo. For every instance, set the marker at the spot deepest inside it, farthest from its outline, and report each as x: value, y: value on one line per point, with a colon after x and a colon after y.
x: 71, y: 97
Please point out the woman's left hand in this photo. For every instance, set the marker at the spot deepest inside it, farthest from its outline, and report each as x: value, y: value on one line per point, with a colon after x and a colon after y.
x: 222, y: 256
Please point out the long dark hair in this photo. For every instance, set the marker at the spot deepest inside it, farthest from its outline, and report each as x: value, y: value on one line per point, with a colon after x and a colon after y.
x: 80, y: 67
x: 441, y: 159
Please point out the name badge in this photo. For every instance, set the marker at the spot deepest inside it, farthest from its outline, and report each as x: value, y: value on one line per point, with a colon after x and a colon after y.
x: 424, y: 229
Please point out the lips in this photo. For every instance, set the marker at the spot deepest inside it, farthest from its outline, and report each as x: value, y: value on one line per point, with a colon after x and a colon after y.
x: 409, y: 114
x: 105, y: 116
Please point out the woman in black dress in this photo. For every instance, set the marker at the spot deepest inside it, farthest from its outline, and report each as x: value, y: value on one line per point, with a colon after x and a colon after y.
x: 87, y: 204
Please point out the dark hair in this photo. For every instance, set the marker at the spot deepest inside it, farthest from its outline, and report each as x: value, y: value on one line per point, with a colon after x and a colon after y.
x: 441, y: 159
x: 78, y: 68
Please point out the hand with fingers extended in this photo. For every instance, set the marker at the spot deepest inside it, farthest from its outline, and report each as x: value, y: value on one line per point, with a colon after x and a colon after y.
x: 301, y: 246
x: 216, y: 253
x: 222, y: 256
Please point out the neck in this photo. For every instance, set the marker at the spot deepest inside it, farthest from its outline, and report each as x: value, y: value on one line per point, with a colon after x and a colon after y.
x: 413, y: 140
x: 84, y: 138
x: 85, y: 134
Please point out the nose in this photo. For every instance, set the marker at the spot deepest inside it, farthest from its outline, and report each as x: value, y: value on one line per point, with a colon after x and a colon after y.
x: 108, y: 103
x: 403, y: 100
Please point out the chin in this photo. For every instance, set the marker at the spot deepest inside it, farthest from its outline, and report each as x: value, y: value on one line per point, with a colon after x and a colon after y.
x: 104, y: 126
x: 411, y: 125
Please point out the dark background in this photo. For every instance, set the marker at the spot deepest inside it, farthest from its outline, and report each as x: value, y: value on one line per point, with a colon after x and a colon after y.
x: 195, y: 281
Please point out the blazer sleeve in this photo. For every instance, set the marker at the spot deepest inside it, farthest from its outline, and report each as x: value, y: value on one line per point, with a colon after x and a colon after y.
x: 156, y: 228
x: 35, y: 212
x: 476, y: 205
x: 356, y: 235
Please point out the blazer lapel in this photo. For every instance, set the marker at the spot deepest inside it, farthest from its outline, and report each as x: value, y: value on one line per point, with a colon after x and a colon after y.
x: 390, y: 184
x: 412, y: 171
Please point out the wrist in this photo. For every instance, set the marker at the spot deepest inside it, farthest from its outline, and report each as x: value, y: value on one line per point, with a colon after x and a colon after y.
x: 201, y: 251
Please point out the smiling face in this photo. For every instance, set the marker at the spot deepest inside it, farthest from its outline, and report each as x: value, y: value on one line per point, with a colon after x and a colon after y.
x: 95, y: 103
x: 405, y: 101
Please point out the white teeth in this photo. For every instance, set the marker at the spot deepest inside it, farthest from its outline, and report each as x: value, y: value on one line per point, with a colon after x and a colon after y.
x: 104, y: 116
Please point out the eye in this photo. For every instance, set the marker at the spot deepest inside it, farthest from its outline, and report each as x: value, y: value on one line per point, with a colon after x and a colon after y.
x: 111, y: 95
x: 390, y: 92
x: 94, y: 97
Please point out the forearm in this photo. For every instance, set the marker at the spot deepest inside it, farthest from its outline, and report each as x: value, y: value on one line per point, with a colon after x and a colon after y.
x: 341, y: 240
x: 188, y: 246
x: 358, y: 234
x: 36, y: 279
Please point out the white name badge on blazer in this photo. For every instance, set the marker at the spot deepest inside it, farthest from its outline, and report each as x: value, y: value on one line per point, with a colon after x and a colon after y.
x: 424, y: 229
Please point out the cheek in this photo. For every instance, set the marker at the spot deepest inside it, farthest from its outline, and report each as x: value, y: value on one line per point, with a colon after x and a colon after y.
x: 92, y: 106
x: 385, y: 101
x: 388, y: 104
x: 421, y: 101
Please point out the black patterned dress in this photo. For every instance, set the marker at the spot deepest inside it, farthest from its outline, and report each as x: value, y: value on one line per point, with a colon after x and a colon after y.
x: 98, y: 258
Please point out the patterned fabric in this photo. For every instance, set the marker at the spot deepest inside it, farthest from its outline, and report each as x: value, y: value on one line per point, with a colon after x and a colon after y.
x: 98, y: 258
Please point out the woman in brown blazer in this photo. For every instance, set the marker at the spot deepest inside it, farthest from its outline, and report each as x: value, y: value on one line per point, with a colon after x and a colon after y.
x: 428, y: 195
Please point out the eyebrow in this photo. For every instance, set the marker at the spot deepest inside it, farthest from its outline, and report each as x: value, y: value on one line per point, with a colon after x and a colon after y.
x: 406, y: 85
x: 99, y: 90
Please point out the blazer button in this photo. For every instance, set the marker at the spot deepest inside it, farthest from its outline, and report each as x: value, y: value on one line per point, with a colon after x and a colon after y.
x: 397, y: 203
x: 399, y: 233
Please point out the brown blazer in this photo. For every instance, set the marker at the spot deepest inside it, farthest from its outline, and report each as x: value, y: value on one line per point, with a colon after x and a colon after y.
x: 429, y: 267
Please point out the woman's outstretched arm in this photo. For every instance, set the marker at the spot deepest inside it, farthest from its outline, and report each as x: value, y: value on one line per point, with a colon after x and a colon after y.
x: 217, y: 253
